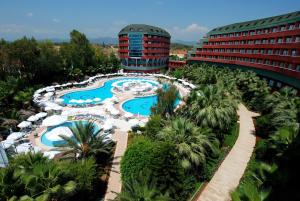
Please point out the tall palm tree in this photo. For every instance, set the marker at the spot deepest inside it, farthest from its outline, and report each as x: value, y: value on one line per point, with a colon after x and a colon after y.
x: 87, y: 141
x: 143, y: 188
x: 191, y: 142
x: 212, y: 107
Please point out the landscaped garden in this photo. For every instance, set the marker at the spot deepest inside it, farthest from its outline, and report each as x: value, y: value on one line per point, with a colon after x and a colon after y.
x: 173, y: 155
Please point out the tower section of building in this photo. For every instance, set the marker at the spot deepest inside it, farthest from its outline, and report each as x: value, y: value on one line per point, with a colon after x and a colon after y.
x: 143, y: 48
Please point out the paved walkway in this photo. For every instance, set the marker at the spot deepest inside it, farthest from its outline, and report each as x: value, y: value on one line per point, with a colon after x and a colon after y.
x: 114, y: 182
x: 227, y: 177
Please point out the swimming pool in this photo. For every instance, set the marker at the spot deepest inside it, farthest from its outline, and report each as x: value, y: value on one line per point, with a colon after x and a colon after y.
x: 101, y: 93
x: 51, y: 136
x: 142, y: 105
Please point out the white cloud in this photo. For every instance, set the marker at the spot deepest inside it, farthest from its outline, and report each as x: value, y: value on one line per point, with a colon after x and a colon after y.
x: 56, y: 20
x: 11, y: 28
x: 30, y: 14
x: 191, y: 32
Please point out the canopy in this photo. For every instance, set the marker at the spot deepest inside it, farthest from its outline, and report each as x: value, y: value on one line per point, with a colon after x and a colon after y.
x: 115, y: 112
x: 24, y: 124
x: 48, y: 94
x: 107, y: 126
x: 54, y: 120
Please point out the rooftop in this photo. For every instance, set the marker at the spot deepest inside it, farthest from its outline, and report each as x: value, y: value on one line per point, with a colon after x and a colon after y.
x: 144, y: 28
x: 257, y: 24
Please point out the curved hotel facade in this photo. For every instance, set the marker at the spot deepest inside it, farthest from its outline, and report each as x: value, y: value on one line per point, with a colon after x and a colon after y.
x: 269, y: 46
x: 143, y: 48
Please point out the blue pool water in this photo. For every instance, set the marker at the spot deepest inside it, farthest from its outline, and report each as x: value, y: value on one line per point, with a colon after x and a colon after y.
x: 52, y: 143
x: 101, y: 92
x: 142, y: 105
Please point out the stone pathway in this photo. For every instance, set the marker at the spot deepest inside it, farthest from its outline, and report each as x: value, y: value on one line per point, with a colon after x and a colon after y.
x: 114, y: 182
x: 228, y: 176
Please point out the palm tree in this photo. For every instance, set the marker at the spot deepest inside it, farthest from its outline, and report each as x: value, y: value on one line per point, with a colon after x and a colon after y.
x: 250, y: 192
x: 87, y: 141
x: 142, y: 188
x: 212, y: 107
x: 192, y: 143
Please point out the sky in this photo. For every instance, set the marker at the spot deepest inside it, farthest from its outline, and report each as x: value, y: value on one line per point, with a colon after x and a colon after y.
x: 186, y: 20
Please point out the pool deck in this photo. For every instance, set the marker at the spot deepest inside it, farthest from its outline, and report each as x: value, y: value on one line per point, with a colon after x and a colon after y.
x: 121, y: 131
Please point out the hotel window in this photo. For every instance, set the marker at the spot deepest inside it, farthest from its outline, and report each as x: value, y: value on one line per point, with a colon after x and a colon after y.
x: 264, y: 41
x: 281, y: 65
x: 291, y: 26
x: 250, y: 41
x: 273, y: 63
x: 279, y: 40
x: 285, y: 52
x: 255, y: 51
x: 297, y: 39
x: 258, y: 31
x: 266, y: 30
x: 272, y: 40
x: 237, y: 34
x: 282, y: 28
x: 274, y: 29
x: 251, y: 33
x: 262, y: 51
x: 236, y: 42
x: 288, y: 40
x: 267, y: 62
x: 294, y: 52
x: 271, y: 82
x: 257, y: 41
x: 270, y: 51
x: 252, y: 60
x: 244, y: 33
x: 259, y: 61
x: 279, y: 84
x: 298, y: 68
x: 277, y: 51
x: 290, y: 66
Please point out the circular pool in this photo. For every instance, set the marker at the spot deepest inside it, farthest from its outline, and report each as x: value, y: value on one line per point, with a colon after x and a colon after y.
x: 51, y: 136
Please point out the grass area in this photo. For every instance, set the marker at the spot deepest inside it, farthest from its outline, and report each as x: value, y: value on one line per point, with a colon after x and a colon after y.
x: 230, y: 139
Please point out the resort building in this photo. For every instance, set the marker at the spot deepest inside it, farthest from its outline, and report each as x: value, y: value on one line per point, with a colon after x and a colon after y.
x: 143, y: 48
x: 269, y: 46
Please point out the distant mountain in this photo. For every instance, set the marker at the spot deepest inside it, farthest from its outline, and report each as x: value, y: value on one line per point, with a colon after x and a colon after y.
x: 184, y: 42
x: 114, y: 41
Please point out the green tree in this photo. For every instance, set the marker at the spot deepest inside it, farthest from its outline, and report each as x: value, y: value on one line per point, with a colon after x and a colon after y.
x: 87, y: 141
x: 211, y: 107
x: 143, y: 187
x: 166, y: 101
x: 192, y: 143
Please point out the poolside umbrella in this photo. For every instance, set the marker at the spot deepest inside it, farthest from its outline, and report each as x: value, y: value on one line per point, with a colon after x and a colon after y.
x: 59, y: 100
x: 81, y: 101
x: 54, y: 134
x: 6, y: 143
x: 49, y: 94
x: 15, y: 136
x: 133, y: 122
x: 88, y: 100
x: 33, y: 118
x: 54, y: 120
x: 128, y: 115
x: 41, y: 115
x: 48, y: 108
x: 115, y: 112
x: 50, y: 154
x: 27, y: 147
x: 97, y: 99
x: 57, y: 108
x: 24, y: 124
x: 51, y: 89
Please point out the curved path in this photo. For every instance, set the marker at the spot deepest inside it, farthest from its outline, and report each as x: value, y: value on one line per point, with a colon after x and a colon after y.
x: 228, y: 175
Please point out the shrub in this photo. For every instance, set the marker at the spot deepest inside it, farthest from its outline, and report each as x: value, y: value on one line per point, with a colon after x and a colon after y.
x: 156, y: 158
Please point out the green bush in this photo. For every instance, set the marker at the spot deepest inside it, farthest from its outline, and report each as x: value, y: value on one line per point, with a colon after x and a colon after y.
x: 153, y: 126
x: 156, y: 158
